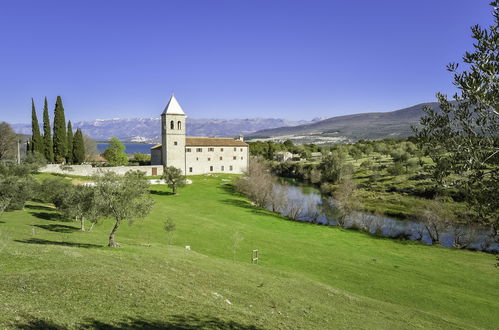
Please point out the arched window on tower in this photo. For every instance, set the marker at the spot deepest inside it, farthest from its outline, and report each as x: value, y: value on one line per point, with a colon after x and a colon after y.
x: 172, y: 125
x: 179, y: 125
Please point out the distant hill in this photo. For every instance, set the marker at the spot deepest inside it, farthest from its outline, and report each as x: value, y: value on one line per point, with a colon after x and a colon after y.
x: 350, y: 128
x: 149, y: 129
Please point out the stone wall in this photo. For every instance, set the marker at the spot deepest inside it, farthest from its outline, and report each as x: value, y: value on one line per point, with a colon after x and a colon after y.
x: 88, y: 170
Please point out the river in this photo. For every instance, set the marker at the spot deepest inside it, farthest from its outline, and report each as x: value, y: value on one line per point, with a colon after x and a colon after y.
x: 305, y: 203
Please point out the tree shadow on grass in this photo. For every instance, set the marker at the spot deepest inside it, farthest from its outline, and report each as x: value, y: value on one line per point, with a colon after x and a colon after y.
x: 50, y: 216
x: 182, y: 322
x: 39, y: 207
x: 58, y: 228
x: 2, y: 221
x: 47, y: 242
x: 161, y: 193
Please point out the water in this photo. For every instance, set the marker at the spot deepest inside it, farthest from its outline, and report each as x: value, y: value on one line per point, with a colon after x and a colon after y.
x: 130, y: 148
x: 305, y: 203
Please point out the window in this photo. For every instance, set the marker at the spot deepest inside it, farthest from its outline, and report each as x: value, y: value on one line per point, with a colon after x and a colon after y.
x: 234, y: 158
x: 199, y: 149
x: 172, y: 125
x: 179, y: 125
x: 209, y: 158
x: 241, y: 149
x: 175, y: 143
x: 221, y: 158
x: 190, y: 169
x: 235, y: 149
x: 211, y: 168
x: 188, y: 150
x: 211, y: 149
x: 222, y: 168
x: 221, y: 149
x: 197, y: 158
x: 230, y: 168
x: 241, y: 158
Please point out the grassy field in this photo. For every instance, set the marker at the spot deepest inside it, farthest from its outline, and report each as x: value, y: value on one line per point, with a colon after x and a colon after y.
x: 309, y: 276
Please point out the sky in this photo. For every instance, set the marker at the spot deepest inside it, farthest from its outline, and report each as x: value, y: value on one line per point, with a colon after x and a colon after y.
x: 231, y: 58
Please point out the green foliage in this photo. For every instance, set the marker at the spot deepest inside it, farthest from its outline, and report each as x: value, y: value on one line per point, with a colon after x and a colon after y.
x: 69, y: 155
x: 142, y: 159
x: 80, y: 204
x: 396, y: 168
x: 122, y: 198
x: 34, y: 160
x: 462, y: 138
x: 60, y: 136
x: 333, y: 166
x: 173, y: 177
x: 48, y: 147
x: 78, y: 147
x: 54, y: 190
x: 115, y: 153
x: 169, y: 226
x: 8, y: 140
x: 16, y: 186
x: 36, y: 138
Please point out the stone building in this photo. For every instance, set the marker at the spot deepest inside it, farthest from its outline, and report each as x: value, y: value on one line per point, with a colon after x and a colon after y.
x: 196, y: 155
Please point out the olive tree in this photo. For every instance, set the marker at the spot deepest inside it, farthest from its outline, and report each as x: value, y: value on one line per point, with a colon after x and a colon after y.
x: 173, y: 177
x: 462, y: 136
x: 122, y: 198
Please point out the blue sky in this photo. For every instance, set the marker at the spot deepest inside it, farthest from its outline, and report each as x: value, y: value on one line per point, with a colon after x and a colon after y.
x: 229, y: 59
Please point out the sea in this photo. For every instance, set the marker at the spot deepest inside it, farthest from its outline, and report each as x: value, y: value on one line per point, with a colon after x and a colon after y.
x: 130, y: 148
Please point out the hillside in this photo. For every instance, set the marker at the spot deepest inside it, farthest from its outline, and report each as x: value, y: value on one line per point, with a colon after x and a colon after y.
x: 350, y: 128
x: 54, y: 276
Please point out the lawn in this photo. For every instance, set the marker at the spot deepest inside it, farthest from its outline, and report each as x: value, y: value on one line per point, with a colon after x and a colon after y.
x: 309, y: 276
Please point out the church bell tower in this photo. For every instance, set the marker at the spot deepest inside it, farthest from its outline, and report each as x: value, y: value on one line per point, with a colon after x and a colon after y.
x: 173, y: 135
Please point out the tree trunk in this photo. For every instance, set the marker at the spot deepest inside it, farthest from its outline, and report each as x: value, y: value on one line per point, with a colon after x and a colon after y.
x: 82, y: 222
x: 112, y: 242
x: 174, y: 189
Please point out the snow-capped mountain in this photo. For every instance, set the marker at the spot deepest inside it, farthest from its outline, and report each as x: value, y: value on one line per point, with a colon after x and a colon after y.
x: 148, y: 130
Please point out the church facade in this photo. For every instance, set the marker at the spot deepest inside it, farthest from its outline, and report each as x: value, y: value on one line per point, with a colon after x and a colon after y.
x: 196, y: 155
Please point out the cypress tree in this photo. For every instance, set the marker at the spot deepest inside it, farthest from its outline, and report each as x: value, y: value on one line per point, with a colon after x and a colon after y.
x: 69, y: 154
x: 78, y: 148
x: 36, y: 138
x: 48, y: 150
x: 60, y: 136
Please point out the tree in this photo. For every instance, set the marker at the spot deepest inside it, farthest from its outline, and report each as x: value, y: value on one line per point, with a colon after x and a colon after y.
x: 462, y: 138
x: 173, y: 177
x: 36, y: 138
x: 122, y: 198
x: 78, y: 147
x: 435, y: 218
x: 69, y: 154
x: 60, y: 136
x: 80, y: 204
x: 8, y: 140
x: 90, y: 147
x: 332, y: 166
x: 345, y: 201
x: 48, y: 149
x: 257, y: 183
x: 16, y: 186
x: 115, y: 153
x: 169, y: 227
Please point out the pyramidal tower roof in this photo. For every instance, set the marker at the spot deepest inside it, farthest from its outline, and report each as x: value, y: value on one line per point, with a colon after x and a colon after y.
x: 173, y: 107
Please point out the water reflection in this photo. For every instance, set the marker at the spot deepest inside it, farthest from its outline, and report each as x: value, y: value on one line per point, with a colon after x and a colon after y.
x: 304, y: 203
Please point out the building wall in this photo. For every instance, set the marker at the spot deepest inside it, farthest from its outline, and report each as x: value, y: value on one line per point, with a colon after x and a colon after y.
x: 206, y: 161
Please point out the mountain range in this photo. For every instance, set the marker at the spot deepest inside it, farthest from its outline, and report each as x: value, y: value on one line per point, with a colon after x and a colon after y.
x: 340, y: 129
x: 148, y: 130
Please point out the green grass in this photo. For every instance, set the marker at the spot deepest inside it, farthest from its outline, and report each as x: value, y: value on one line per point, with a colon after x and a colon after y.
x: 309, y: 276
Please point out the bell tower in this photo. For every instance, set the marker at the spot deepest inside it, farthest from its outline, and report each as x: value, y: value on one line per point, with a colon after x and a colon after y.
x: 173, y: 135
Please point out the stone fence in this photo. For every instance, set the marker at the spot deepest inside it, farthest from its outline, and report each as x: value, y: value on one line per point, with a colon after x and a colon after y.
x: 89, y: 170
